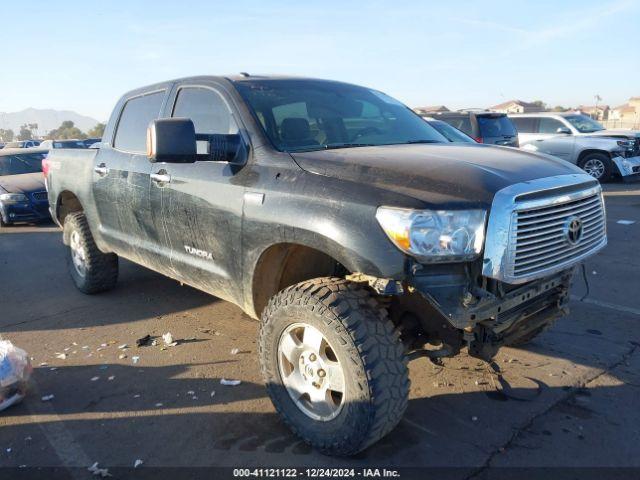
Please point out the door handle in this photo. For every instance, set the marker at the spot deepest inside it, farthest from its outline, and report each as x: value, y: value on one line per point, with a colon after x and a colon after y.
x: 161, y: 177
x: 101, y: 169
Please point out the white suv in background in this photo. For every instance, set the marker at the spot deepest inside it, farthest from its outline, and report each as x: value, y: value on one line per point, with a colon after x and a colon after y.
x: 581, y: 140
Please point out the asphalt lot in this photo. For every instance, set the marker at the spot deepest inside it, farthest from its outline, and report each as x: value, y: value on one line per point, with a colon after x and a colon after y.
x: 574, y: 397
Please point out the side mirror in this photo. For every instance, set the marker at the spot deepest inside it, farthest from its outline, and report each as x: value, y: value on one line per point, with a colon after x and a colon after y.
x: 563, y: 131
x: 171, y: 140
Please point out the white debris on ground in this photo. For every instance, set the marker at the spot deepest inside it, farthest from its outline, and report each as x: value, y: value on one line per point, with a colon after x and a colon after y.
x: 95, y: 379
x: 99, y: 472
x: 235, y: 351
x: 48, y: 398
x: 169, y: 340
x: 229, y: 383
x: 61, y: 356
x: 135, y: 359
x: 15, y: 370
x: 137, y: 463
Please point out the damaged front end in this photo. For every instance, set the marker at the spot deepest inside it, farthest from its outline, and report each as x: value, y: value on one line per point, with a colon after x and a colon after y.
x: 537, y: 233
x: 487, y: 317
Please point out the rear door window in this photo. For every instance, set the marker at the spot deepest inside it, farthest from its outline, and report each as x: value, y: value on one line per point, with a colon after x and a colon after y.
x: 138, y: 112
x: 525, y: 124
x: 491, y: 126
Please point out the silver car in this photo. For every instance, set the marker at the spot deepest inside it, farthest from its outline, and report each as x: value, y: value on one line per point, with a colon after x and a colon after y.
x: 581, y: 140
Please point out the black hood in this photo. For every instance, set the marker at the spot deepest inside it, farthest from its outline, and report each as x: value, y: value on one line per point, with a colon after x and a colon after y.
x: 437, y: 173
x: 25, y: 183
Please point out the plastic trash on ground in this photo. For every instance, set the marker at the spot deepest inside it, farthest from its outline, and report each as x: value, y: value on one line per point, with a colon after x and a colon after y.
x: 15, y: 370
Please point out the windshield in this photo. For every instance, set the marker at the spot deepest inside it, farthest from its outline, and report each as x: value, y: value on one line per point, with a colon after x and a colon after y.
x: 451, y: 133
x: 303, y: 115
x: 496, y: 126
x: 584, y: 124
x: 19, y: 164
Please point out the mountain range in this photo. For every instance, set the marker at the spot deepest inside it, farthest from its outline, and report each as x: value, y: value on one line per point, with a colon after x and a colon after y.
x: 47, y: 119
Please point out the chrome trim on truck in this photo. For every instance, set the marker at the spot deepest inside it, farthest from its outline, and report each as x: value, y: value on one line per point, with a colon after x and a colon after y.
x: 501, y: 239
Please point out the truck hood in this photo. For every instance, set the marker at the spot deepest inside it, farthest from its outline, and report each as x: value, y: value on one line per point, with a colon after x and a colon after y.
x: 25, y: 183
x: 438, y: 173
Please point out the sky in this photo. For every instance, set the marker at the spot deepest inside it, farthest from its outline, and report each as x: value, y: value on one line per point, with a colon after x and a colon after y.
x: 82, y: 56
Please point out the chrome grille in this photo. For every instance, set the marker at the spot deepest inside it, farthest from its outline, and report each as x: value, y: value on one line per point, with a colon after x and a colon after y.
x: 540, y: 240
x: 40, y: 196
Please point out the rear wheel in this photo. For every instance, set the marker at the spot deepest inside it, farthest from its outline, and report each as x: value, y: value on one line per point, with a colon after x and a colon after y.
x: 91, y: 270
x: 598, y: 165
x: 334, y: 365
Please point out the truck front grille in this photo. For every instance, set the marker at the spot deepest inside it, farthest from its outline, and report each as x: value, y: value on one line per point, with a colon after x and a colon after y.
x: 551, y: 236
x: 540, y: 227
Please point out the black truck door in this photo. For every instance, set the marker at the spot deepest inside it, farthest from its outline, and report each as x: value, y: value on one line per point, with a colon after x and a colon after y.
x: 201, y: 203
x: 121, y: 183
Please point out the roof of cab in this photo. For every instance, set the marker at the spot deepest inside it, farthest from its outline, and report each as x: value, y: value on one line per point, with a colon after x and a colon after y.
x: 239, y: 78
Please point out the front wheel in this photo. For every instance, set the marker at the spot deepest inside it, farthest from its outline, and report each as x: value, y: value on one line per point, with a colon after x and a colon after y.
x: 91, y: 270
x: 334, y: 365
x: 598, y: 165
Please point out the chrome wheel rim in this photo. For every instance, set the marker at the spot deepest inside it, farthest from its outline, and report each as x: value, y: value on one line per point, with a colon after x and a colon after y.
x: 594, y: 167
x: 78, y: 254
x: 311, y: 372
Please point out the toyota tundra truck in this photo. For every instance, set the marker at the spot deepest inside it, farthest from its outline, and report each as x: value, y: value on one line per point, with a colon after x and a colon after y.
x: 356, y: 234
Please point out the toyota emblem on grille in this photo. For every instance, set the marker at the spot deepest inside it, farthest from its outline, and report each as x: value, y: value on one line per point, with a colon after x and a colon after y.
x: 573, y: 230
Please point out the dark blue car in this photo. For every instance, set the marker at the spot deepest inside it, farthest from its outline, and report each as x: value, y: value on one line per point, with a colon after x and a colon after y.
x: 23, y: 196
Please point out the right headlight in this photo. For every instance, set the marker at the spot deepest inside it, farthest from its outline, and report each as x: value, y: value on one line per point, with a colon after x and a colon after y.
x: 13, y: 198
x: 435, y: 236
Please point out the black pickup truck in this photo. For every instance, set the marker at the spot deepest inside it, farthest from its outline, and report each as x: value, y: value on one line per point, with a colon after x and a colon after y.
x: 358, y: 235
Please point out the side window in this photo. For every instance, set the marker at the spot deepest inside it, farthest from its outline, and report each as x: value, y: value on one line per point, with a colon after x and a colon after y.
x: 549, y: 125
x: 136, y: 115
x: 207, y: 110
x: 524, y: 124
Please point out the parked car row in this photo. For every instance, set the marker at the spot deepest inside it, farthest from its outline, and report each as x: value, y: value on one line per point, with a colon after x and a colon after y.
x: 572, y: 136
x: 23, y: 197
x: 48, y: 144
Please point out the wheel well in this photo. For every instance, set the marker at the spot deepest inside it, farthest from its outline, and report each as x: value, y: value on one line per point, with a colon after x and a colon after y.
x: 585, y: 153
x: 67, y: 203
x: 286, y: 264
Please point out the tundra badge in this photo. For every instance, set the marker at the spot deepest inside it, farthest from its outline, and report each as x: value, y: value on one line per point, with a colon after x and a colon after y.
x: 198, y: 253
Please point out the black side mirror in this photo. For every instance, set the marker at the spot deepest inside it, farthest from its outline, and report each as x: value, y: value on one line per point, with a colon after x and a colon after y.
x: 563, y: 131
x: 171, y: 140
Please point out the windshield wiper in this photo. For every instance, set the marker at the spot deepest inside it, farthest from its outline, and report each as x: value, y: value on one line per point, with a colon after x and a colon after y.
x: 424, y: 141
x: 347, y: 145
